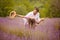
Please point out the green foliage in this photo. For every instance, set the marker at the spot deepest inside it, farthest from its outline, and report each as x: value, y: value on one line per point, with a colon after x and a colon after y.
x: 47, y: 8
x: 5, y: 7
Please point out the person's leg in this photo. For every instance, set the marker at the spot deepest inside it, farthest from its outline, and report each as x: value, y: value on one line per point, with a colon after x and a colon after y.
x: 25, y: 21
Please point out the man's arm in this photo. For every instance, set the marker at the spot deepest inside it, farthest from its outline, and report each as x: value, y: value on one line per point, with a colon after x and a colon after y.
x: 42, y: 19
x: 39, y: 19
x: 23, y: 16
x: 27, y: 16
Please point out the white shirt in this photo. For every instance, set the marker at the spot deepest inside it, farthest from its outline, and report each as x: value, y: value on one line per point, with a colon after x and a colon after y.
x: 30, y: 14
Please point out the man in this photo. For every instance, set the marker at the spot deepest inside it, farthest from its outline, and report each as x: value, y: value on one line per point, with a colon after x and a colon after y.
x: 32, y: 17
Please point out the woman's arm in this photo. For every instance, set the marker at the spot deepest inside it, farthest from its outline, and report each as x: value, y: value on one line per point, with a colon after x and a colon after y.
x: 20, y: 16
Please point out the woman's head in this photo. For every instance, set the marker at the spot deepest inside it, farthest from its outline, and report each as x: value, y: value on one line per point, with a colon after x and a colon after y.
x: 13, y: 13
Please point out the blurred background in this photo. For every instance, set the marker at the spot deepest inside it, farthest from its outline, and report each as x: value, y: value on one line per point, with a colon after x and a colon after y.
x: 48, y: 8
x: 13, y: 29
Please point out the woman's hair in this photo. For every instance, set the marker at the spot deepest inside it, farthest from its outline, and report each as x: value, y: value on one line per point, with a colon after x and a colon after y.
x: 12, y: 13
x: 31, y: 22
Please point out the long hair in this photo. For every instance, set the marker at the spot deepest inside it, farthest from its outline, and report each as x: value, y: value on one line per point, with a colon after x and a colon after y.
x: 11, y: 13
x: 31, y: 22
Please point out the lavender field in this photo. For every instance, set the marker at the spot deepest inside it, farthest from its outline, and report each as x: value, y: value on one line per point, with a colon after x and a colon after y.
x: 13, y: 29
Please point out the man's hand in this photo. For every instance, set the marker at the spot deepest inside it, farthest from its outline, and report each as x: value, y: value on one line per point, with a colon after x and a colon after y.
x: 42, y: 19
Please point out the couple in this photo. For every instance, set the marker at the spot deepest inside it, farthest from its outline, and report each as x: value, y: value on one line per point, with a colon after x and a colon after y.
x: 31, y: 18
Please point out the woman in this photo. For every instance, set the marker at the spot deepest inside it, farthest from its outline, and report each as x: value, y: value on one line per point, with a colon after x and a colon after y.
x: 12, y: 14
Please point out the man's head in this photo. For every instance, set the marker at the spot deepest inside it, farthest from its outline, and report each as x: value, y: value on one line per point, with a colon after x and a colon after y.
x: 36, y: 10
